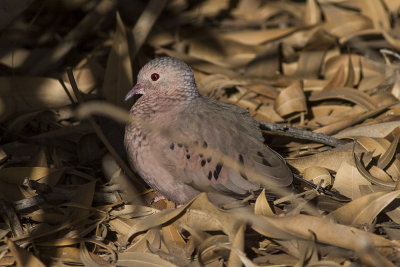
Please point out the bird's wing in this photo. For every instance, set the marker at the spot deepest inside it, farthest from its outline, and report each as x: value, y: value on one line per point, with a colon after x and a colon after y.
x: 218, y: 147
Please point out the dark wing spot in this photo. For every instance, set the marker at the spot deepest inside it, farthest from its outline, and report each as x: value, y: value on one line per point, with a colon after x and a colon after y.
x: 200, y: 155
x: 180, y: 145
x: 241, y: 160
x: 205, y: 145
x: 209, y: 175
x: 266, y: 163
x: 144, y: 137
x: 188, y: 156
x: 171, y: 146
x: 260, y: 154
x: 209, y: 160
x: 186, y: 148
x: 217, y: 170
x: 203, y: 162
x: 243, y: 175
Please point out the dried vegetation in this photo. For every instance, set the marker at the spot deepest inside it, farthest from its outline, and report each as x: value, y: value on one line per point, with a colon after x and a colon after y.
x: 67, y: 197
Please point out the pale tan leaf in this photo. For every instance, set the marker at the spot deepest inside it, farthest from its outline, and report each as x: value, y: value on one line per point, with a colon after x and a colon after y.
x: 211, y: 8
x: 291, y: 99
x: 171, y: 235
x: 348, y: 179
x: 393, y: 5
x: 348, y: 94
x: 267, y: 113
x: 318, y: 175
x: 262, y: 207
x: 237, y: 244
x: 350, y: 22
x: 376, y: 11
x: 325, y: 230
x: 331, y: 160
x: 378, y: 130
x: 359, y: 63
x: 312, y: 14
x: 395, y: 42
x: 309, y: 64
x: 364, y: 209
x: 118, y: 78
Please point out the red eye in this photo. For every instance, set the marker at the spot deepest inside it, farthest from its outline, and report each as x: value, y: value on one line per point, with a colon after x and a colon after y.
x: 155, y: 76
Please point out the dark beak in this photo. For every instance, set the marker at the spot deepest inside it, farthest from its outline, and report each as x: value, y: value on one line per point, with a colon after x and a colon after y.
x: 137, y: 89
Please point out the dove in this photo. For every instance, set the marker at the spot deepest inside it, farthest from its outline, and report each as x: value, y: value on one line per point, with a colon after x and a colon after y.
x: 182, y: 143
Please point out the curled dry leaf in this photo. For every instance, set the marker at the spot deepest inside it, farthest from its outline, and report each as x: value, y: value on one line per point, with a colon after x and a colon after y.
x: 262, y: 207
x: 291, y: 99
x: 209, y: 251
x: 318, y: 175
x: 380, y: 146
x: 142, y: 242
x: 348, y: 94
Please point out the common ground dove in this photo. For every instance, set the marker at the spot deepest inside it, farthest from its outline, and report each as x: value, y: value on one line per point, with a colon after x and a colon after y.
x: 182, y: 143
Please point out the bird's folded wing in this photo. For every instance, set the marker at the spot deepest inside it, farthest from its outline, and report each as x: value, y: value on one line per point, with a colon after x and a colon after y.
x: 216, y: 150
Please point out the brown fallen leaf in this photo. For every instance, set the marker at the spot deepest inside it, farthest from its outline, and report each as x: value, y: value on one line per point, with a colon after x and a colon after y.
x: 363, y: 210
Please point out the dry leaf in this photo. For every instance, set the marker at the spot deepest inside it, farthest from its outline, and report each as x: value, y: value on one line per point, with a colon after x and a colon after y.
x: 364, y: 209
x: 291, y: 100
x: 318, y: 175
x: 262, y: 207
x: 118, y: 78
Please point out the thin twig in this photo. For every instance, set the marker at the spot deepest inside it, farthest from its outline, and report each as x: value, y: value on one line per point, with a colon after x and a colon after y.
x: 301, y: 134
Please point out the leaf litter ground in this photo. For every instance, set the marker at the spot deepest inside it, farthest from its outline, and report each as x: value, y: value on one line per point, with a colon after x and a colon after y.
x: 321, y: 76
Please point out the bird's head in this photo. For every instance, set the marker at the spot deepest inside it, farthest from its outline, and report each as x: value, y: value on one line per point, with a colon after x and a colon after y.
x: 165, y: 76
